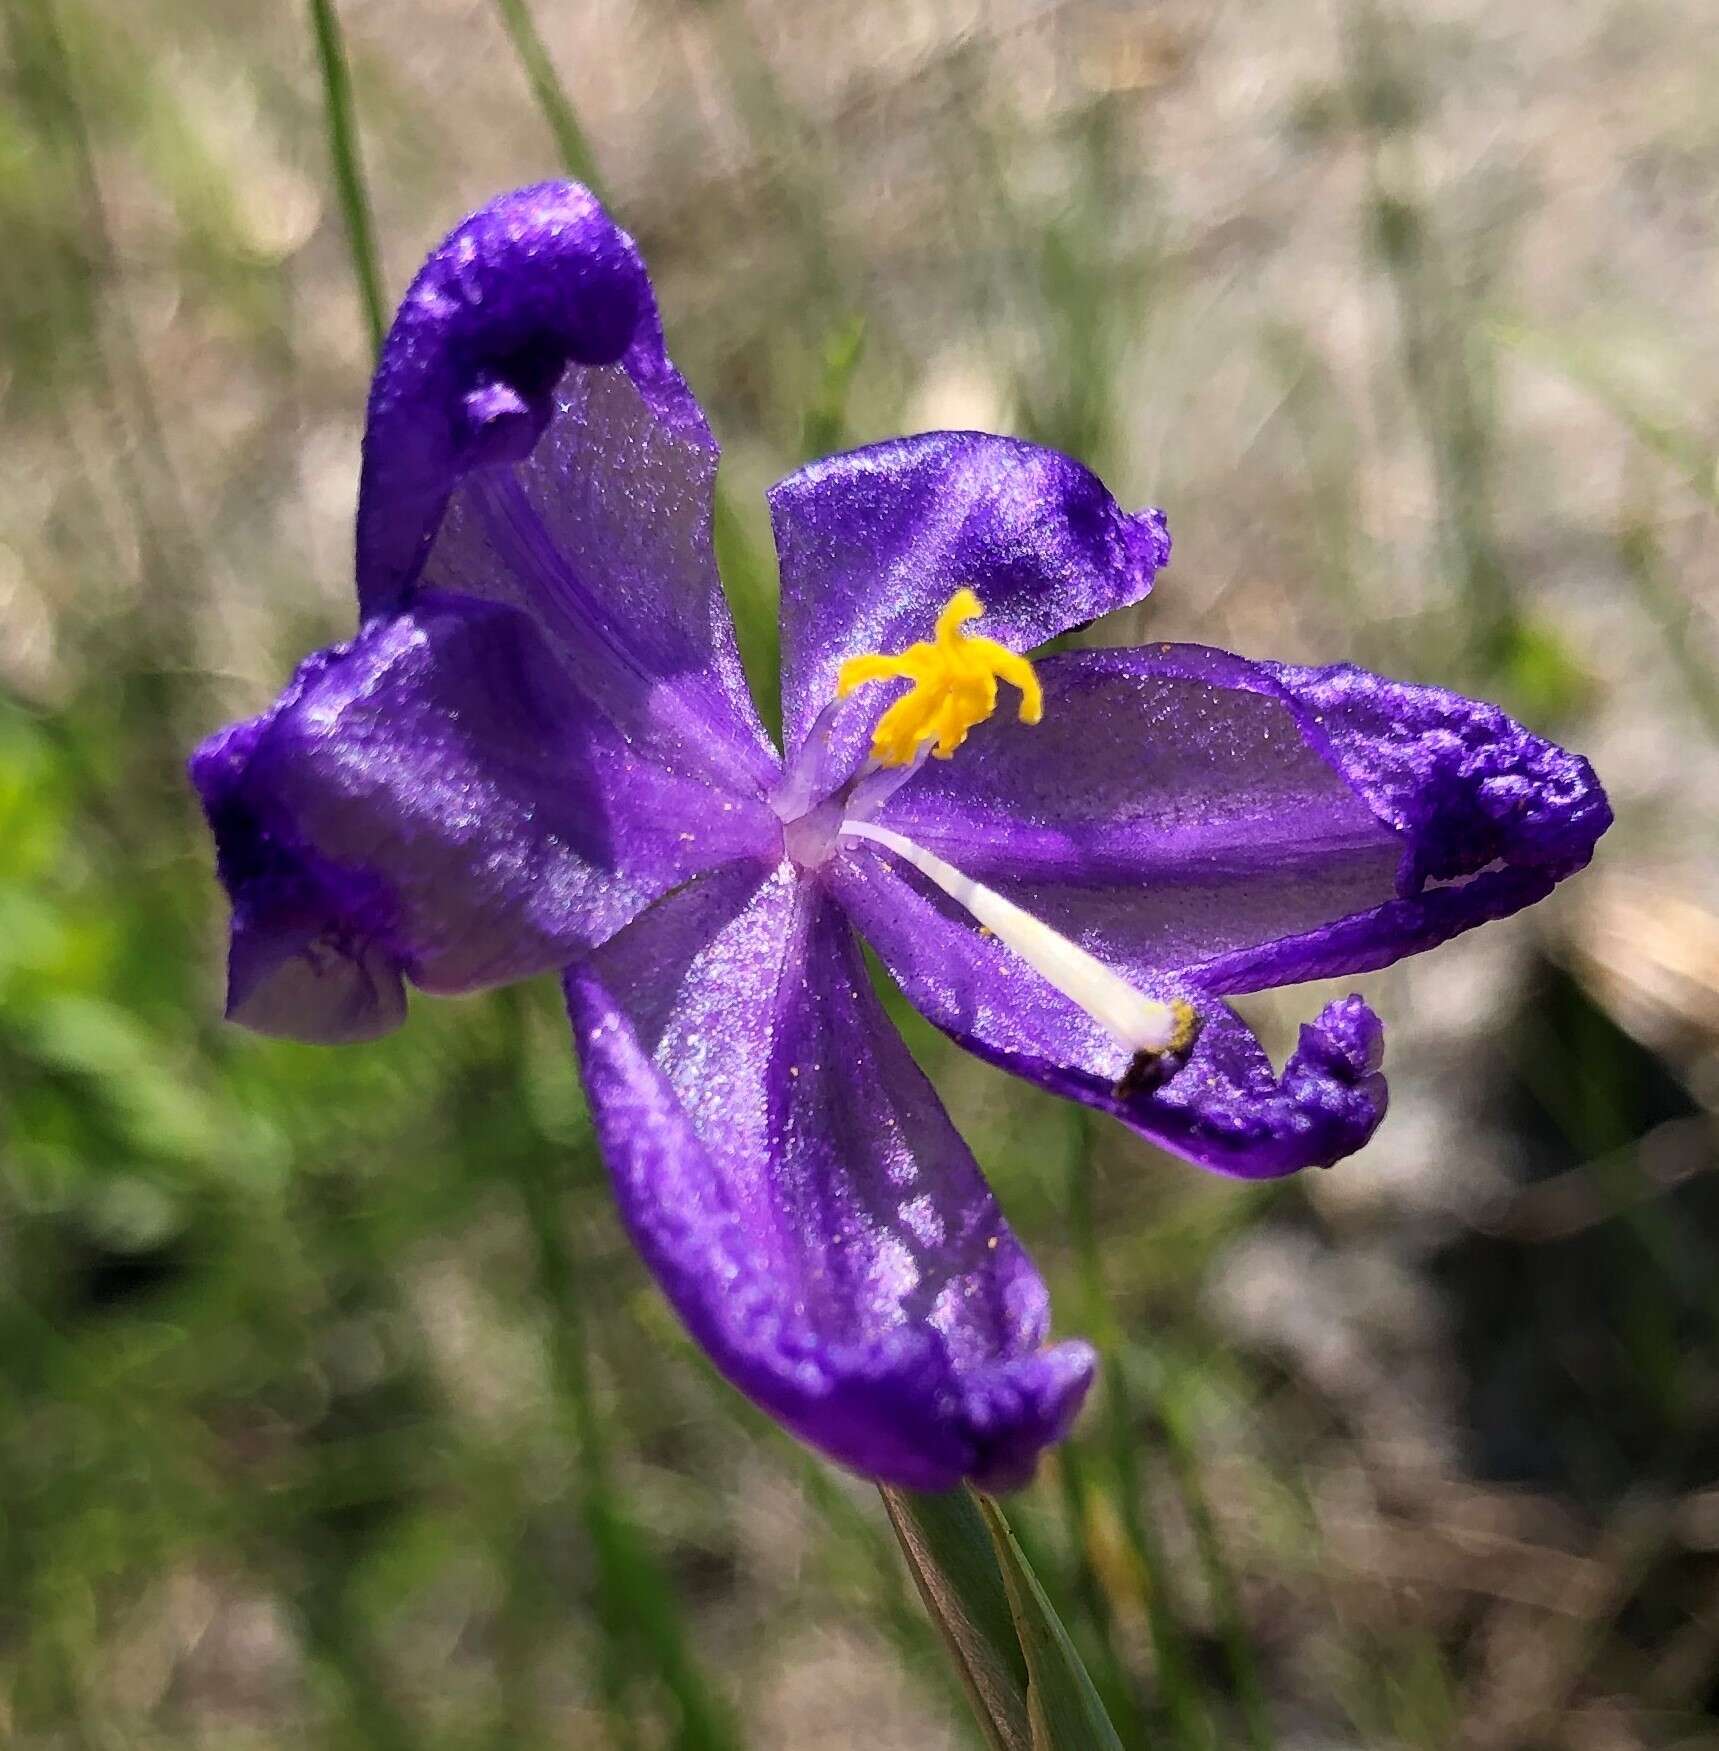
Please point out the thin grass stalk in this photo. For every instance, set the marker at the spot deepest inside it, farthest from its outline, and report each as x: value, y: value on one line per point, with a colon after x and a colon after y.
x: 948, y: 1552
x: 1589, y: 370
x: 538, y: 65
x: 341, y: 121
x: 639, y: 1609
x: 1672, y: 614
x: 1178, y: 1690
x: 1063, y: 1705
x: 570, y: 1369
x: 1439, y: 358
x: 791, y: 146
x: 748, y: 574
x: 146, y: 646
x: 895, y: 1607
x: 825, y: 427
x: 1078, y: 1497
x: 344, y: 1650
x: 1220, y: 1581
x: 145, y: 471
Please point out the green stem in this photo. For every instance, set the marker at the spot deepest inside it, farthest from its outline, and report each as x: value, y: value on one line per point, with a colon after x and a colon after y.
x: 348, y: 168
x: 539, y: 68
x: 949, y: 1553
x: 1176, y: 1685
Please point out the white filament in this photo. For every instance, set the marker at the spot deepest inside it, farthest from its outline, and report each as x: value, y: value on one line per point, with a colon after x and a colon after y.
x: 1137, y: 1022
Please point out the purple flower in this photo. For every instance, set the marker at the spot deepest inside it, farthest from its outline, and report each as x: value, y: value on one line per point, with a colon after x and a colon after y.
x: 540, y: 752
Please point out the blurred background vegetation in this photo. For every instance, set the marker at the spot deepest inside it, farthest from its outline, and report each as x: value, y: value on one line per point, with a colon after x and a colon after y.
x: 334, y: 1408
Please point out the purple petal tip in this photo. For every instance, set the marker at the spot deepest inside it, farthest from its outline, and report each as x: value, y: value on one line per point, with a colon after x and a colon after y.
x: 1463, y: 782
x: 1017, y: 1411
x: 1336, y: 1096
x: 1148, y: 538
x: 301, y: 962
x: 536, y: 280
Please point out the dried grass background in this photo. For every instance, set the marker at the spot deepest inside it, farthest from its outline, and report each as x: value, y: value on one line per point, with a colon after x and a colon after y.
x: 333, y: 1406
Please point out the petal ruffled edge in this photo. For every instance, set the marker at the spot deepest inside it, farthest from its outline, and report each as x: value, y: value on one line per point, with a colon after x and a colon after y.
x: 304, y: 959
x: 1490, y: 817
x: 1479, y: 816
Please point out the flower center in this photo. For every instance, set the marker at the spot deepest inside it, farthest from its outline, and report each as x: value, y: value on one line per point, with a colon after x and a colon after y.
x: 954, y: 677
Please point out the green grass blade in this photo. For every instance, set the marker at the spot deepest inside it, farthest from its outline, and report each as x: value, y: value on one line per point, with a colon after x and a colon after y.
x: 1220, y: 1581
x: 1021, y: 1672
x: 1672, y: 614
x: 640, y: 1616
x: 948, y: 1546
x: 746, y: 567
x: 348, y: 169
x: 1083, y: 1502
x: 539, y: 68
x: 1177, y: 1690
x: 1064, y: 1710
x: 825, y: 427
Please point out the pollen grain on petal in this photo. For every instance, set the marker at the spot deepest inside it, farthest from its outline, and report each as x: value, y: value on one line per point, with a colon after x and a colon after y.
x: 954, y: 676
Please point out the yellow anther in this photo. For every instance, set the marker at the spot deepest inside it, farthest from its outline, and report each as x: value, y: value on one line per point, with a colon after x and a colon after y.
x: 954, y: 680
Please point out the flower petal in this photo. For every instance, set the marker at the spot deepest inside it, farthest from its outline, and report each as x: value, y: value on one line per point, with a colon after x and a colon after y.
x: 1250, y: 825
x: 1207, y: 825
x: 875, y: 542
x: 529, y: 441
x: 433, y: 802
x: 1222, y: 1106
x: 794, y: 1184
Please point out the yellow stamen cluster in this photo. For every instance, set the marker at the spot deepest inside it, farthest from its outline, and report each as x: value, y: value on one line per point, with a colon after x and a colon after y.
x: 954, y: 680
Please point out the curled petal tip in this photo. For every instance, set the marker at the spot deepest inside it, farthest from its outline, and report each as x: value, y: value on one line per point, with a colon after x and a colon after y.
x: 544, y: 262
x: 536, y: 280
x: 1346, y: 1038
x: 1327, y: 1104
x: 302, y: 963
x: 1463, y: 782
x: 1148, y: 540
x: 1499, y: 793
x: 1215, y: 1099
x: 431, y: 801
x: 1024, y: 1407
x: 1332, y: 1081
x: 1552, y: 811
